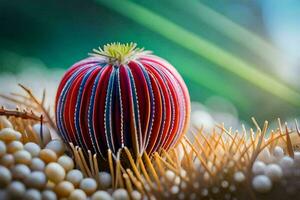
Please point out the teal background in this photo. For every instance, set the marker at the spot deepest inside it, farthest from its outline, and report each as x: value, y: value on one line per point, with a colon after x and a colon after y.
x: 59, y: 33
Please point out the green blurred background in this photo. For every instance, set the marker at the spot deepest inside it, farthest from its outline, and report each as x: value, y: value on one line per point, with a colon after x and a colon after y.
x: 238, y: 58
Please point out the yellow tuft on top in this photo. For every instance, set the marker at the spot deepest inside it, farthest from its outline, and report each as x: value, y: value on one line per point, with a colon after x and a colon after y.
x: 118, y: 53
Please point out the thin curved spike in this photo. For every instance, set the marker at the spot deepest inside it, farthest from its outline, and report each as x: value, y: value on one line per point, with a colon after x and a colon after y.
x: 133, y: 165
x: 111, y: 168
x: 289, y: 142
x: 152, y: 170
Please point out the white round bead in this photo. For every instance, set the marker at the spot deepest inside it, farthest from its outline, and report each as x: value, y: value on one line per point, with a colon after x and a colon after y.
x: 197, y: 164
x: 64, y: 189
x: 136, y: 195
x: 7, y: 160
x: 239, y: 177
x: 66, y: 162
x: 48, y: 195
x: 225, y: 184
x: 183, y: 185
x: 120, y: 194
x: 32, y: 194
x: 74, y: 176
x: 22, y: 157
x: 286, y: 162
x: 16, y: 189
x: 170, y: 175
x: 278, y: 152
x: 5, y: 176
x: 204, y: 192
x: 262, y: 184
x: 274, y: 172
x: 33, y: 148
x: 101, y: 195
x: 88, y: 185
x: 50, y: 185
x: 174, y: 189
x: 46, y: 137
x: 20, y: 171
x: 36, y: 180
x: 8, y: 134
x: 55, y: 172
x: 37, y: 164
x: 57, y: 146
x: 2, y: 148
x: 104, y: 180
x: 183, y: 173
x: 14, y: 146
x: 47, y: 155
x: 177, y: 180
x: 258, y: 167
x: 77, y: 195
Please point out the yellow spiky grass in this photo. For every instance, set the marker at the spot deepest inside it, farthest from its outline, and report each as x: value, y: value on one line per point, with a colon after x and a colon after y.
x: 221, y: 154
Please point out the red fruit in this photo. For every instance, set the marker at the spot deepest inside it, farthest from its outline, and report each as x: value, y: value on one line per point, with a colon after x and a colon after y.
x: 122, y: 96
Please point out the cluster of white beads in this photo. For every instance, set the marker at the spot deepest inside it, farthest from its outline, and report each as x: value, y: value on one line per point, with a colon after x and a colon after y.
x: 44, y: 172
x: 269, y: 168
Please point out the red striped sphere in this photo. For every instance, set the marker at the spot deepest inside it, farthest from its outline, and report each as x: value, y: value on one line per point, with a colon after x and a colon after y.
x: 122, y: 96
